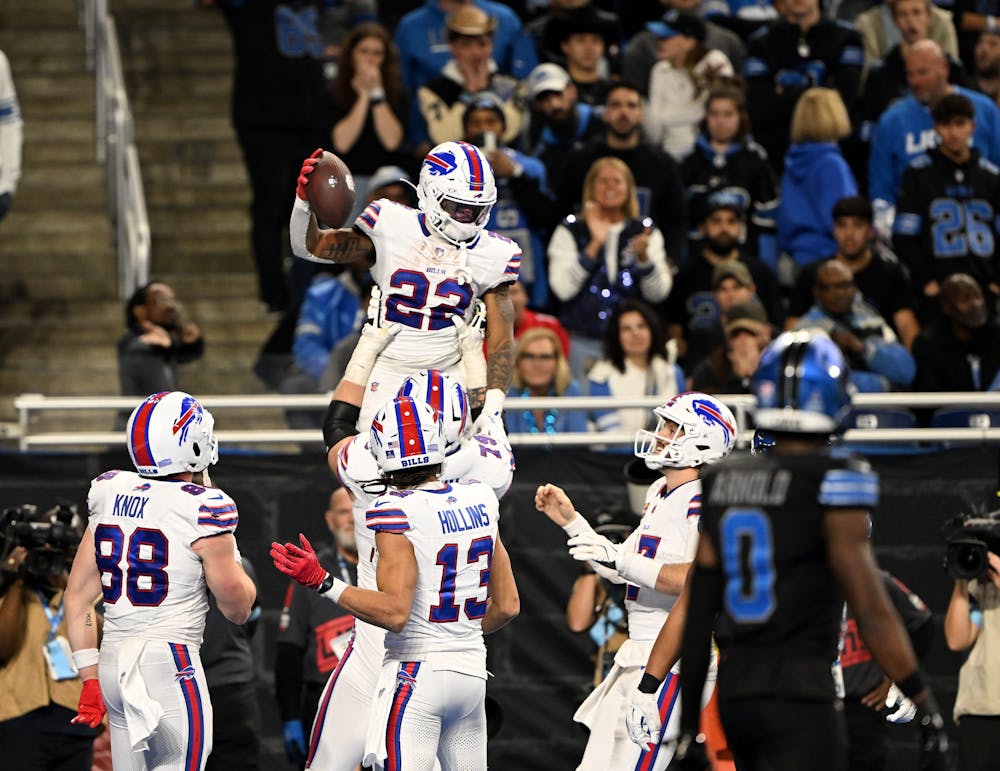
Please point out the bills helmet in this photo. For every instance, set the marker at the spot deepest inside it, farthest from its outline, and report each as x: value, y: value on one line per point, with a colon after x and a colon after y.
x: 406, y: 433
x: 802, y: 384
x: 447, y: 398
x: 171, y: 432
x: 456, y: 190
x: 706, y: 433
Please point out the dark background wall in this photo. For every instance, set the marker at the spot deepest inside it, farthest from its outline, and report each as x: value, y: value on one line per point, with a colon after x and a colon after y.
x: 542, y: 671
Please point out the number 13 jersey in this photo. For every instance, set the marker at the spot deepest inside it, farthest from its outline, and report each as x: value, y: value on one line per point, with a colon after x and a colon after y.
x: 153, y: 582
x: 426, y: 280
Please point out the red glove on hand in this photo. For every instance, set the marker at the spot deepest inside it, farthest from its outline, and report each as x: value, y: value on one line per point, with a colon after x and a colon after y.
x: 300, y: 564
x: 307, y: 167
x: 90, y: 711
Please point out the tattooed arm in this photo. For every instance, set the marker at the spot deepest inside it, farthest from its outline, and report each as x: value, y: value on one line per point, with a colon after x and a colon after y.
x: 499, y: 339
x: 343, y: 245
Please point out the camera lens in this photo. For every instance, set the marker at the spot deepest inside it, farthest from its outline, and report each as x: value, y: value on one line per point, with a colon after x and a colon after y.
x: 967, y: 559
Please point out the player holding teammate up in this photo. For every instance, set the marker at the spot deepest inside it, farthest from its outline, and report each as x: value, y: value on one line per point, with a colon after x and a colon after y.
x: 694, y: 429
x: 430, y: 265
x: 443, y: 579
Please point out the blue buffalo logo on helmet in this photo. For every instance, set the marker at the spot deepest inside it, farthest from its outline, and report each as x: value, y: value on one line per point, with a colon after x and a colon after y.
x: 169, y: 433
x: 440, y: 163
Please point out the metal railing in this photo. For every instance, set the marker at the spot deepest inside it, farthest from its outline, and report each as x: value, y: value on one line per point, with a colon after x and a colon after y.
x: 28, y: 405
x: 116, y: 147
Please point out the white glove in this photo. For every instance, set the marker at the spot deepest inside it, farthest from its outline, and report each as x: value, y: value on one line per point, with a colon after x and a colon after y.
x: 374, y: 309
x: 373, y: 341
x: 492, y: 408
x: 899, y: 709
x: 609, y: 574
x: 592, y: 546
x: 643, y: 719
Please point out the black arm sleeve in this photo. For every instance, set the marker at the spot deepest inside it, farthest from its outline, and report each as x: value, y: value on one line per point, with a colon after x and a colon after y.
x: 696, y: 647
x: 288, y: 681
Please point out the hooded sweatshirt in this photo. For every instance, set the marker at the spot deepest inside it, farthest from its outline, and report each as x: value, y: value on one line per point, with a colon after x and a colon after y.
x: 816, y: 177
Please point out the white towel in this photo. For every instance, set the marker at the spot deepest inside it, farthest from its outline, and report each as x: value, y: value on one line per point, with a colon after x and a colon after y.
x: 376, y: 752
x: 142, y: 712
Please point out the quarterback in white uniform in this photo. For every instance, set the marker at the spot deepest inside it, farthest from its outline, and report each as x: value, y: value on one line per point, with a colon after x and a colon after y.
x: 430, y: 264
x: 443, y: 579
x: 155, y: 541
x: 337, y: 744
x: 693, y: 429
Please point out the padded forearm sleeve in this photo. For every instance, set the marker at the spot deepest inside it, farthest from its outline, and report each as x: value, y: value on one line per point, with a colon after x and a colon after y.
x: 340, y: 422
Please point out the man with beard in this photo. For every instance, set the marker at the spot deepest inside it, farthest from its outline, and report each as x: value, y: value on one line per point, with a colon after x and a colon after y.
x: 960, y: 351
x: 987, y: 55
x: 559, y: 118
x: 657, y: 176
x: 882, y: 280
x: 158, y: 339
x: 313, y: 632
x: 691, y: 310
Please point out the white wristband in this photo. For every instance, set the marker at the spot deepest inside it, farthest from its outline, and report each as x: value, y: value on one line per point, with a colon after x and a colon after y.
x: 88, y: 657
x: 991, y: 23
x: 638, y: 569
x: 577, y: 525
x: 334, y: 592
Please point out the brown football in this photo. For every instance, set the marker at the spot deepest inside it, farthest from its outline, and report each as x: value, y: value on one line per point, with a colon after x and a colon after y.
x: 331, y: 191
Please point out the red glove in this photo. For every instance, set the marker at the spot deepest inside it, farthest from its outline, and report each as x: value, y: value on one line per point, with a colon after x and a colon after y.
x: 300, y: 564
x: 90, y: 711
x: 307, y: 167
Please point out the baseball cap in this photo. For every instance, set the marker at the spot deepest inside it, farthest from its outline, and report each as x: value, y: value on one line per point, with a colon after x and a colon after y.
x: 748, y: 315
x: 547, y: 77
x: 387, y: 175
x: 472, y: 21
x: 678, y: 22
x: 485, y: 100
x: 732, y: 269
x: 726, y: 199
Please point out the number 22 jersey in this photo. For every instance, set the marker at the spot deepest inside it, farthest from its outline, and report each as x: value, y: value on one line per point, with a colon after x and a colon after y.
x: 153, y: 582
x: 426, y: 280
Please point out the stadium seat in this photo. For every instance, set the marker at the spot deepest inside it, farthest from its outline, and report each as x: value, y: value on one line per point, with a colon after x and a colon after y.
x: 966, y: 417
x: 881, y: 417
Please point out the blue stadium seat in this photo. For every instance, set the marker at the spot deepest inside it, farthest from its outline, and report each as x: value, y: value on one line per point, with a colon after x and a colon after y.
x: 966, y: 417
x: 881, y: 417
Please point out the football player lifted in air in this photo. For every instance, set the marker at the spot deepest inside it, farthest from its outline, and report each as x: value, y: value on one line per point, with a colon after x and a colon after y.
x: 784, y: 540
x: 338, y: 734
x: 155, y: 541
x: 443, y: 579
x: 430, y: 265
x: 693, y: 429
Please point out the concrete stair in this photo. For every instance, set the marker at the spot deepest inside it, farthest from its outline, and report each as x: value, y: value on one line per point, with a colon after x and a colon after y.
x: 59, y: 313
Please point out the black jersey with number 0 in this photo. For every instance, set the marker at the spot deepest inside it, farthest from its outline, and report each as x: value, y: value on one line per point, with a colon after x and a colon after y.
x: 781, y: 609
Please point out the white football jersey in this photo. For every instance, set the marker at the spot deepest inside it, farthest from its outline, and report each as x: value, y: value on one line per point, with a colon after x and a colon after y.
x: 425, y: 280
x: 453, y: 528
x: 153, y: 582
x: 485, y: 457
x: 668, y: 533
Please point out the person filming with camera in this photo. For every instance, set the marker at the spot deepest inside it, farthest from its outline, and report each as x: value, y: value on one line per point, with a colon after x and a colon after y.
x: 973, y: 621
x: 39, y: 685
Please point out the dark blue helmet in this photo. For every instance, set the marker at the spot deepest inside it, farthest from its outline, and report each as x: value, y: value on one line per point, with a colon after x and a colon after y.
x: 802, y: 384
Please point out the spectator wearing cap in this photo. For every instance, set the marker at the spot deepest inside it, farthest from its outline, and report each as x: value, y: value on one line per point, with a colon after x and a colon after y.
x: 725, y: 159
x: 422, y: 39
x: 882, y: 279
x: 693, y: 312
x: 584, y: 39
x: 525, y: 210
x: 800, y: 51
x: 730, y: 367
x: 566, y: 16
x: 637, y: 362
x: 559, y: 120
x: 471, y: 71
x: 679, y: 82
x: 641, y: 52
x: 879, y: 362
x: 606, y: 255
x: 816, y: 177
x: 659, y: 187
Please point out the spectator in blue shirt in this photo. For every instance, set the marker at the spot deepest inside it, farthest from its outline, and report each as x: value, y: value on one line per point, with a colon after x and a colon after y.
x: 541, y: 369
